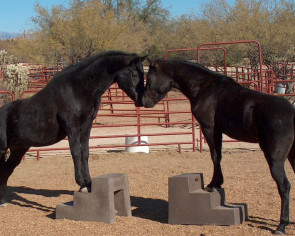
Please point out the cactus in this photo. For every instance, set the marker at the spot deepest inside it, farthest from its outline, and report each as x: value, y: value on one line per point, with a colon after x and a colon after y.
x: 16, y: 78
x: 15, y: 75
x: 5, y: 59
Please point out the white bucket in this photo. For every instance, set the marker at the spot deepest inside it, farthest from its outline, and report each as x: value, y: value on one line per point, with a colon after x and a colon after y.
x: 280, y: 88
x: 133, y: 141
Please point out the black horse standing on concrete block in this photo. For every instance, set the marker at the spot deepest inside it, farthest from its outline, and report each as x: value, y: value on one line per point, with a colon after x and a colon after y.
x: 66, y: 107
x: 222, y: 106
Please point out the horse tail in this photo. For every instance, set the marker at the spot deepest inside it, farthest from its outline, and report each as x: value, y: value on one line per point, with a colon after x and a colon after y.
x: 291, y: 155
x: 3, y: 130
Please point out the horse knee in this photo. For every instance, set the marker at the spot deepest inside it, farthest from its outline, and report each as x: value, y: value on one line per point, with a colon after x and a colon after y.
x: 279, y: 175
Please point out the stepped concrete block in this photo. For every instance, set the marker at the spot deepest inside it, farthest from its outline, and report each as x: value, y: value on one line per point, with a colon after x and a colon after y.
x: 109, y: 197
x: 189, y: 203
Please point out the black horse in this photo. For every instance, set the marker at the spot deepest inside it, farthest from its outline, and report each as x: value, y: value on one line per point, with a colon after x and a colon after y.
x: 222, y: 106
x: 66, y: 107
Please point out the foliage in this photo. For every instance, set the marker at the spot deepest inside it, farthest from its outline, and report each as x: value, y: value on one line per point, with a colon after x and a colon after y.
x: 271, y: 22
x: 67, y: 35
x: 87, y: 27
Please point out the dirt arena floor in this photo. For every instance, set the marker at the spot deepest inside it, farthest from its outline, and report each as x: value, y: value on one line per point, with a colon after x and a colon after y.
x: 36, y: 187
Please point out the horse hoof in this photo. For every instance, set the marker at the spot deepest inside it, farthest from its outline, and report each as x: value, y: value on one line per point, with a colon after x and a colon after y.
x: 3, y: 205
x: 208, y: 189
x: 279, y: 232
x: 83, y: 190
x: 211, y: 189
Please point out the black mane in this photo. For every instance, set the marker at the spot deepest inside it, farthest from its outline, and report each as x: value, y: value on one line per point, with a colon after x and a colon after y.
x: 88, y: 61
x: 200, y: 68
x: 193, y: 64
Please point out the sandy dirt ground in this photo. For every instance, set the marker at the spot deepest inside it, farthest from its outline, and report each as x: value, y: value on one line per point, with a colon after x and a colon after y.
x: 36, y: 187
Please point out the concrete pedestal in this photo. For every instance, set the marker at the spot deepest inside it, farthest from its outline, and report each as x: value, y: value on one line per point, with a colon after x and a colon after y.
x: 109, y: 197
x: 190, y: 204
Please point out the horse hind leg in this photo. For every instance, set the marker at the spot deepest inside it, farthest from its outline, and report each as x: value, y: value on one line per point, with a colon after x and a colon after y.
x: 279, y: 175
x: 291, y: 156
x: 7, y: 167
x: 3, y: 158
x: 276, y: 159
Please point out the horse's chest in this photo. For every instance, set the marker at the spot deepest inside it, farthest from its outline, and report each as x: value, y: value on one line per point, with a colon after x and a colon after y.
x: 87, y: 114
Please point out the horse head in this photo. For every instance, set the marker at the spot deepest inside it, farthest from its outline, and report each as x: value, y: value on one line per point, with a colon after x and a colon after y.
x: 131, y: 78
x: 158, y: 84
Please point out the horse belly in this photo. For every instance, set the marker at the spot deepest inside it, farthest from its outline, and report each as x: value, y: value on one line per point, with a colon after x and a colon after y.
x: 242, y: 129
x: 38, y: 133
x: 249, y: 136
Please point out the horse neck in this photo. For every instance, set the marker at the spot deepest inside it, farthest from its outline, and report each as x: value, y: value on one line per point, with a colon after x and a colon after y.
x: 99, y: 76
x: 186, y: 79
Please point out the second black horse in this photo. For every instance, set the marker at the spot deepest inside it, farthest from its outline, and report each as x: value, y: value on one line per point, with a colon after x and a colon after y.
x: 222, y: 106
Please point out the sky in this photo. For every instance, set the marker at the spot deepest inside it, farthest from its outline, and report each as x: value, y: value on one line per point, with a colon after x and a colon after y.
x: 15, y: 15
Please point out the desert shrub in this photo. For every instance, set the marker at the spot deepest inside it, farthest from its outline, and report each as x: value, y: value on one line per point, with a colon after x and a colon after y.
x: 5, y: 59
x: 16, y: 78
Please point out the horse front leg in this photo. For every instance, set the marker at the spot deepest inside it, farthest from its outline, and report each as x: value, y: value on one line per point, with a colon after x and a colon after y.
x: 85, y: 134
x: 75, y: 147
x: 84, y: 140
x: 214, y: 140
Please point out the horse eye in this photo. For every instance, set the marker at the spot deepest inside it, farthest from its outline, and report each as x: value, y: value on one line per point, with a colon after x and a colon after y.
x: 133, y: 73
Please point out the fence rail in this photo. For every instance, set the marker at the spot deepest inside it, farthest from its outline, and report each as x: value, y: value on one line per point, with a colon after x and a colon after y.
x: 170, y: 122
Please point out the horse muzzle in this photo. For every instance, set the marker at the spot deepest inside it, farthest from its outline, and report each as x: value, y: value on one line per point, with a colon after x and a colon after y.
x: 139, y: 103
x: 147, y: 102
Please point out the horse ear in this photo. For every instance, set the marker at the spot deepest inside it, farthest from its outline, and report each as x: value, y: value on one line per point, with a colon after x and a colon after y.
x: 143, y: 58
x: 151, y: 62
x: 136, y: 60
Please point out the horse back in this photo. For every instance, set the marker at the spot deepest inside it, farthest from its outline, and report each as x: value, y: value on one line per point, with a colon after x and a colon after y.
x: 242, y: 113
x: 249, y: 116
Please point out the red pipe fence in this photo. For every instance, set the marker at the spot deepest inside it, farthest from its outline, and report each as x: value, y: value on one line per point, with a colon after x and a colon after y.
x: 170, y: 122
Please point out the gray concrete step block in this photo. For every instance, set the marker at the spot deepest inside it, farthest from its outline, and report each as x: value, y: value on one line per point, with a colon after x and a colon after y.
x: 109, y: 197
x: 190, y: 204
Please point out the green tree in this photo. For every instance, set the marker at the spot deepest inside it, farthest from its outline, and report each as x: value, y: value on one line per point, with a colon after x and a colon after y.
x: 88, y: 27
x: 268, y: 21
x: 66, y: 35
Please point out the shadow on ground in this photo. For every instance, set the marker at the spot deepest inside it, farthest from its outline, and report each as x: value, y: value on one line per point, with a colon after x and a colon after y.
x: 263, y: 223
x: 151, y: 209
x: 14, y: 197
